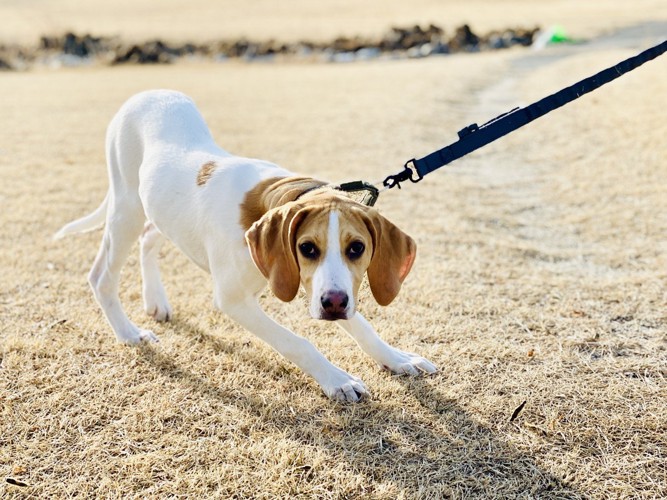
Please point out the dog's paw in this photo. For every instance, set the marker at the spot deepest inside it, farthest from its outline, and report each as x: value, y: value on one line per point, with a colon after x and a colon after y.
x: 159, y: 310
x: 343, y: 387
x: 407, y: 363
x: 135, y: 335
x: 148, y: 336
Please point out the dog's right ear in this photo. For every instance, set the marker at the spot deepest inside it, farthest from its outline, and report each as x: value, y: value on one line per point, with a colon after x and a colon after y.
x: 272, y: 244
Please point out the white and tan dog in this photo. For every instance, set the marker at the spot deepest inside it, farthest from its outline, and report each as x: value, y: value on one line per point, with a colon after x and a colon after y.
x: 244, y: 221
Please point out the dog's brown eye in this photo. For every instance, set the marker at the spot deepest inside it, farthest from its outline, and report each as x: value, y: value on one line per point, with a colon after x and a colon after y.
x: 355, y: 250
x: 309, y: 250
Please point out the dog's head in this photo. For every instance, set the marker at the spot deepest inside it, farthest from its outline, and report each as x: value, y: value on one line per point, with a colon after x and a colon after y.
x: 327, y: 243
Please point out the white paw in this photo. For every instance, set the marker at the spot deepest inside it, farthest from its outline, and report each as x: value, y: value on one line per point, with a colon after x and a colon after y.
x: 343, y: 387
x: 148, y: 336
x: 158, y: 309
x: 135, y: 335
x: 407, y: 363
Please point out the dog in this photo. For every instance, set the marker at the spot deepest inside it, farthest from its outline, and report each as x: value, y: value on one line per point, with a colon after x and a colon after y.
x: 246, y: 222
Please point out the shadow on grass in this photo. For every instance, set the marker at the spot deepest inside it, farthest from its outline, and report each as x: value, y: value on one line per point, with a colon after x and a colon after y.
x: 431, y: 448
x: 437, y: 453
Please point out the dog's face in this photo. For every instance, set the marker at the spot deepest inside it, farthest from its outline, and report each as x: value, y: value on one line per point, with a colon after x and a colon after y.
x: 333, y: 250
x: 327, y: 244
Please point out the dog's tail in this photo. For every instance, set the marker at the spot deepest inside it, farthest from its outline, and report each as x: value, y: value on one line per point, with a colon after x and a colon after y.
x: 87, y: 223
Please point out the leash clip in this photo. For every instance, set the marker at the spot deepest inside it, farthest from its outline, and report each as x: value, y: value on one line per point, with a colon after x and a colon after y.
x: 409, y: 173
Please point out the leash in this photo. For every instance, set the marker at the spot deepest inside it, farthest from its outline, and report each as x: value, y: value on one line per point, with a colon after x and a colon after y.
x: 476, y: 136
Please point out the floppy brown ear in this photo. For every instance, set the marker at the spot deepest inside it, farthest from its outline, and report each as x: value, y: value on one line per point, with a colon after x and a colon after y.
x: 394, y: 253
x: 272, y: 244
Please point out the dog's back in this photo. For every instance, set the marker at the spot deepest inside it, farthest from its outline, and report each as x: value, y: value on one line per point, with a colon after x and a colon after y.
x: 161, y: 117
x: 154, y: 123
x: 161, y: 158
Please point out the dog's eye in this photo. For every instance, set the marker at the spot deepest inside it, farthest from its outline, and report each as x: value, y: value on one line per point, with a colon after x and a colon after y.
x: 309, y: 250
x: 355, y: 250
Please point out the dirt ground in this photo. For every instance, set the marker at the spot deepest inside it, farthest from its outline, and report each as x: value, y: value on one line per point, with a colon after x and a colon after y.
x: 540, y: 277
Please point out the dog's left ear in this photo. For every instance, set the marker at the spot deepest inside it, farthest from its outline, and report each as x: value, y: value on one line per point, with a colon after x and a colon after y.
x: 394, y: 253
x: 272, y: 244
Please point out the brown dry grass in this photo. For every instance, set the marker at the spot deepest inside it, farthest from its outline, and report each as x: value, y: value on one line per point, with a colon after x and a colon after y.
x: 540, y: 277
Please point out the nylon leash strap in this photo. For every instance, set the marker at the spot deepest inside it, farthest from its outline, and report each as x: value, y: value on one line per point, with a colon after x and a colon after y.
x: 474, y: 137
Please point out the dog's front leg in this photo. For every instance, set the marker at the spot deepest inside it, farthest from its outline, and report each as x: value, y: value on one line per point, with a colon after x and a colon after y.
x: 336, y: 383
x: 388, y: 357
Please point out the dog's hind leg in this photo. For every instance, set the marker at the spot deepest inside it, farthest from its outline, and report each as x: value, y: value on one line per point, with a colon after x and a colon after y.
x: 124, y: 223
x: 156, y: 303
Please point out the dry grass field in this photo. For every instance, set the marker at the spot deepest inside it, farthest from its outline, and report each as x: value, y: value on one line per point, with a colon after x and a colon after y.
x: 541, y: 276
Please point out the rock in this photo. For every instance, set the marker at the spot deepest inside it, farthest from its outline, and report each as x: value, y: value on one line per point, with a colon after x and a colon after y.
x: 510, y: 38
x: 464, y: 39
x: 71, y: 44
x: 408, y: 38
x: 343, y: 44
x: 367, y: 53
x: 153, y: 52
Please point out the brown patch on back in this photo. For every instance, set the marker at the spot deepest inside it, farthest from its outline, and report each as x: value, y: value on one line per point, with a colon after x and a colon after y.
x: 205, y: 172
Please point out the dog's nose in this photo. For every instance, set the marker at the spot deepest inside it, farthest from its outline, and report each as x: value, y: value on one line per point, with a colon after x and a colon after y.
x: 334, y: 303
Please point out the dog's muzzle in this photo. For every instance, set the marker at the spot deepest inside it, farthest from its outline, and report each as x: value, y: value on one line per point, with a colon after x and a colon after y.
x: 334, y: 305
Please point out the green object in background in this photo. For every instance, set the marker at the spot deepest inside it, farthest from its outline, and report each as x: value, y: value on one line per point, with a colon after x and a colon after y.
x: 558, y: 35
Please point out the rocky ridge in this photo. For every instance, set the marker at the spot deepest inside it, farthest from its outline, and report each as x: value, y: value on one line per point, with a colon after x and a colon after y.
x: 71, y: 49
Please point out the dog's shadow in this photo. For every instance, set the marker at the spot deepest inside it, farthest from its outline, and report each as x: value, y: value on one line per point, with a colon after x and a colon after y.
x: 439, y: 451
x: 219, y: 344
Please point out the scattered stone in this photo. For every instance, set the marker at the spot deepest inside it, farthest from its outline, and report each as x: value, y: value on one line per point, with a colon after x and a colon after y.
x: 511, y: 37
x: 71, y: 44
x: 405, y: 39
x: 152, y: 52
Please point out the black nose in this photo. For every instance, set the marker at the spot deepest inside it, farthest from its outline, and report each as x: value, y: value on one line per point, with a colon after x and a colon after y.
x: 334, y: 303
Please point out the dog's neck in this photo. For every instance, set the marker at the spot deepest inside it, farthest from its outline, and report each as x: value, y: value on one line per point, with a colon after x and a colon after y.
x: 274, y: 192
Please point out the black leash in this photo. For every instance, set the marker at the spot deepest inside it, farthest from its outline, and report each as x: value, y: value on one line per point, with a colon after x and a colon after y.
x: 474, y: 137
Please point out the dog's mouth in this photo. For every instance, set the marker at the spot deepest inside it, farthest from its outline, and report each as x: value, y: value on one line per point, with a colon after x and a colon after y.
x: 334, y: 316
x: 334, y: 305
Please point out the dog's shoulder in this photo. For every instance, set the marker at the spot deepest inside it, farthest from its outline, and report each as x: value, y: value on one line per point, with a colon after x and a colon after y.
x: 274, y: 192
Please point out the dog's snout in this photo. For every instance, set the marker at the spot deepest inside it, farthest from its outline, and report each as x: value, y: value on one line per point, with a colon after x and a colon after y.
x: 334, y: 304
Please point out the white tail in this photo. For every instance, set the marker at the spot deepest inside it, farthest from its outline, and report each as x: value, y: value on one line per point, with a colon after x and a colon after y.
x: 87, y: 223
